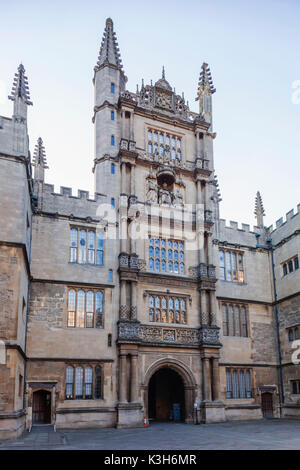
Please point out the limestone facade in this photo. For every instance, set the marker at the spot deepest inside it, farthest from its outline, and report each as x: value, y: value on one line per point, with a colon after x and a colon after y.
x: 101, y: 295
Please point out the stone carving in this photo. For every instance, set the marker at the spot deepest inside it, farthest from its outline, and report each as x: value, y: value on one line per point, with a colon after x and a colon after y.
x: 142, y: 265
x: 129, y: 331
x: 124, y: 144
x: 163, y: 100
x: 152, y: 190
x: 210, y: 335
x: 134, y: 261
x: 178, y: 198
x: 208, y: 216
x: 133, y: 312
x: 168, y: 335
x: 124, y: 311
x: 126, y: 94
x: 123, y: 260
x: 143, y: 334
x: 211, y: 271
x: 164, y: 196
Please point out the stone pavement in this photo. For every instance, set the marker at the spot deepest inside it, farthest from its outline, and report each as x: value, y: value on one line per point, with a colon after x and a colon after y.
x: 252, y: 435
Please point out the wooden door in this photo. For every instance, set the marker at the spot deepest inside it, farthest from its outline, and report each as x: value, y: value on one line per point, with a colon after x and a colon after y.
x: 41, y: 409
x: 267, y: 404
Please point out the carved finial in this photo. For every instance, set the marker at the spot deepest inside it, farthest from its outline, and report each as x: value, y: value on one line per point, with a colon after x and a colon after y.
x: 163, y: 73
x: 259, y: 210
x: 109, y: 51
x: 205, y: 85
x: 39, y: 156
x: 20, y: 87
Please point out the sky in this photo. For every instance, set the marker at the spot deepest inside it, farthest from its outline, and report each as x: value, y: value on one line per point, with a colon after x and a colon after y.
x: 252, y: 48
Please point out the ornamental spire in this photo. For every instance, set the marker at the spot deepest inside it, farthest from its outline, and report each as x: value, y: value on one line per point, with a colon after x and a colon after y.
x: 259, y: 210
x: 205, y: 84
x: 20, y: 87
x: 109, y: 51
x: 39, y: 160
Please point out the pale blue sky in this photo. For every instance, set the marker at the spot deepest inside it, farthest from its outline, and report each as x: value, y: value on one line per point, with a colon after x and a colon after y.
x: 252, y: 48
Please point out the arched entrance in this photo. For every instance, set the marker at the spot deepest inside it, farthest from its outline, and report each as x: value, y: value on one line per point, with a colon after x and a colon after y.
x: 267, y: 404
x: 41, y: 407
x: 166, y: 396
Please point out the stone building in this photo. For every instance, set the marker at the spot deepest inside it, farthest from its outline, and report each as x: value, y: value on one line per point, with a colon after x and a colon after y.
x: 140, y: 302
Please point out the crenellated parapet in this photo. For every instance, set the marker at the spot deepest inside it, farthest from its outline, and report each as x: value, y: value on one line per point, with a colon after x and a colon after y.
x: 285, y: 228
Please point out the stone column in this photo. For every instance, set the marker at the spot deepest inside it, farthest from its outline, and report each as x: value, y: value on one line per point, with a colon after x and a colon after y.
x: 132, y: 180
x: 197, y: 144
x: 123, y: 304
x: 216, y: 378
x: 209, y: 249
x: 123, y: 233
x: 134, y: 379
x: 133, y: 312
x: 207, y: 378
x: 203, y: 307
x: 123, y: 377
x: 131, y: 133
x: 123, y: 178
x: 213, y: 313
x: 123, y: 125
x: 133, y: 236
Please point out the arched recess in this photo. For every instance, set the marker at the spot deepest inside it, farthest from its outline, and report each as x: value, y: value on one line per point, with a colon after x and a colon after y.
x: 185, y: 374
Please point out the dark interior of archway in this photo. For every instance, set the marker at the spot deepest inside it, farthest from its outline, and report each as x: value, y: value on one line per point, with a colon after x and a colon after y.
x: 166, y: 389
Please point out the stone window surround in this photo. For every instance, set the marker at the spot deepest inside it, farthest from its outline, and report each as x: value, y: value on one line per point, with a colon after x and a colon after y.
x: 237, y: 253
x: 167, y: 296
x: 84, y: 366
x: 293, y: 332
x: 240, y: 305
x: 166, y: 259
x: 238, y: 370
x: 295, y: 383
x: 165, y: 132
x: 285, y: 265
x: 96, y: 232
x: 85, y: 290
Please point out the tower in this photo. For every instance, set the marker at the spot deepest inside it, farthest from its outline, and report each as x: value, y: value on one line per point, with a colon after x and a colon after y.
x: 109, y: 81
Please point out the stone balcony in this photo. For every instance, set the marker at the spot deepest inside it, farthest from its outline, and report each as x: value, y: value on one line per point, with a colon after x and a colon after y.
x: 135, y: 332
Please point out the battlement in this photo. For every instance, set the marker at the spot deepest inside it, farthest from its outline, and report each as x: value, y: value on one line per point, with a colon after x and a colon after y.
x: 63, y: 202
x: 240, y: 234
x: 285, y: 228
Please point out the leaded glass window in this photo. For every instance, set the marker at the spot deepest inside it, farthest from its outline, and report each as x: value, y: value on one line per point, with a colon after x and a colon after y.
x: 87, y: 384
x: 167, y: 309
x: 157, y: 256
x: 160, y: 141
x: 231, y: 266
x: 235, y: 322
x: 86, y: 246
x: 238, y: 383
x: 85, y: 308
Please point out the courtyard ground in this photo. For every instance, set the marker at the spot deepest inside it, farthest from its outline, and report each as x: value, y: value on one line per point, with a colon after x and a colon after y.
x: 253, y: 435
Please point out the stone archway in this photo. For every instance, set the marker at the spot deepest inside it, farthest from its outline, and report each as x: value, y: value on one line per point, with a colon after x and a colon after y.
x: 184, y: 376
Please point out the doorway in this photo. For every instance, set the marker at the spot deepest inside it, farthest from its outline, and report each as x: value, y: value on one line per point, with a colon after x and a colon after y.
x: 267, y: 404
x: 41, y: 407
x: 166, y: 396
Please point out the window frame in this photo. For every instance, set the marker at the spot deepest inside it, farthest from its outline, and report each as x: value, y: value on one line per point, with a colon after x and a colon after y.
x: 84, y: 396
x: 98, y: 235
x: 169, y: 308
x: 172, y: 256
x: 234, y: 387
x: 229, y: 268
x: 290, y: 265
x: 75, y: 313
x: 164, y: 139
x: 231, y: 326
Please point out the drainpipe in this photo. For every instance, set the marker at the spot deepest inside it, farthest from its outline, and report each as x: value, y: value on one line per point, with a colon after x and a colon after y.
x: 281, y: 386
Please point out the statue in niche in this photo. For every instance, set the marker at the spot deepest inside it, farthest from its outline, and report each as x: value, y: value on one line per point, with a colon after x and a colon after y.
x: 152, y: 192
x: 178, y: 198
x: 164, y: 195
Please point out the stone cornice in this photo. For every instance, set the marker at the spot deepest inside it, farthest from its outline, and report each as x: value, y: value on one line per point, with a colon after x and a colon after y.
x: 74, y: 283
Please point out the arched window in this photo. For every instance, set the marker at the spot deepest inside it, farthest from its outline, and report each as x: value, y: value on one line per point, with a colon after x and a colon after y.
x: 82, y: 246
x: 88, y: 382
x: 73, y: 248
x: 91, y: 247
x: 69, y: 382
x: 99, y: 309
x: 90, y: 309
x: 71, y: 308
x: 80, y: 309
x: 79, y: 383
x: 100, y: 244
x: 112, y: 168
